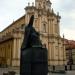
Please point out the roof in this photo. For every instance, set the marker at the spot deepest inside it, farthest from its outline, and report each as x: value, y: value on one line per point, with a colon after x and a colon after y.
x: 13, y: 23
x: 70, y: 44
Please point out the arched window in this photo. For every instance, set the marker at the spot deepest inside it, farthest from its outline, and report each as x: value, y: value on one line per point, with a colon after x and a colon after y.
x: 39, y: 5
x: 22, y: 26
x: 56, y: 30
x: 44, y: 6
x: 44, y: 28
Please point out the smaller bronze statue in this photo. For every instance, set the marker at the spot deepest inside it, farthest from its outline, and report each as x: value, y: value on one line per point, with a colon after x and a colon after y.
x: 34, y: 59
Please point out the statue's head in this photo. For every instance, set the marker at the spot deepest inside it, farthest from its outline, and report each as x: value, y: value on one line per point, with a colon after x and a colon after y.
x: 31, y: 21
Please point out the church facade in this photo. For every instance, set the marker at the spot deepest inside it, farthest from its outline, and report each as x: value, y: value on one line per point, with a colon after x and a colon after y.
x: 46, y: 22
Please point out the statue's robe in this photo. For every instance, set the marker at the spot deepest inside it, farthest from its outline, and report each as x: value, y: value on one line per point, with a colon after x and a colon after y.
x: 33, y: 56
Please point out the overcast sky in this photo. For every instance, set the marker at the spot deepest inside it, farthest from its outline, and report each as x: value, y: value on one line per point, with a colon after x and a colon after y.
x: 13, y: 9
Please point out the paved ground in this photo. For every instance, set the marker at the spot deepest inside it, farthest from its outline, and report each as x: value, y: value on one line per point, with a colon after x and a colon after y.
x: 5, y: 70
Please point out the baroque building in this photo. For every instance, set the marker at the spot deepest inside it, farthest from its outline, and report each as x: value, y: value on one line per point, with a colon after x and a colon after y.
x: 46, y: 22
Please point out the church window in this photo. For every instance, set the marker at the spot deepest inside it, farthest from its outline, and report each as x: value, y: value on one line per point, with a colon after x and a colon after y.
x: 44, y: 4
x: 39, y: 5
x: 44, y: 28
x: 22, y: 26
x: 56, y: 30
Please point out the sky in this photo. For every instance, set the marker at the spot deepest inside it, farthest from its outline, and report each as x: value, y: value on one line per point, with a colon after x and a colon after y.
x: 11, y: 10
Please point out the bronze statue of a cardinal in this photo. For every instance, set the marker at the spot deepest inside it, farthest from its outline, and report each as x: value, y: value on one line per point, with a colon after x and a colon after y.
x: 33, y: 60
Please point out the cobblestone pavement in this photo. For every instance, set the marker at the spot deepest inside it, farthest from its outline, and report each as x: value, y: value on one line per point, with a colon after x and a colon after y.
x: 67, y: 73
x: 5, y: 70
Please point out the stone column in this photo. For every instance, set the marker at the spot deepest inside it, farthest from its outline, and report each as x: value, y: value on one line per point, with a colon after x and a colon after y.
x: 58, y: 28
x: 58, y: 52
x: 40, y: 23
x: 49, y: 47
x: 53, y: 59
x: 14, y: 53
x: 53, y: 27
x: 49, y: 26
x: 27, y: 19
x: 18, y: 53
x: 64, y: 52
